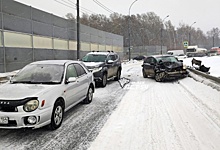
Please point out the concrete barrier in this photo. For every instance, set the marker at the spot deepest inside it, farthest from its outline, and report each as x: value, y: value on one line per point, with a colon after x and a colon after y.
x: 214, y: 79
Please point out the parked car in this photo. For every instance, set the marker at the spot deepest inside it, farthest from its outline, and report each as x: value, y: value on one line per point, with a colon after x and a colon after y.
x: 181, y: 56
x: 163, y: 67
x: 139, y: 57
x: 104, y: 65
x: 40, y: 93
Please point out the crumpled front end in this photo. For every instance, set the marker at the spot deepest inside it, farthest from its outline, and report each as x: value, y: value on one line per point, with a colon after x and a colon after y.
x: 172, y: 69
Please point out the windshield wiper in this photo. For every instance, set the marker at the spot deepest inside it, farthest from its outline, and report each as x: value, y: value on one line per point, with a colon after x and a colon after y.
x: 36, y: 82
x: 49, y: 82
x: 25, y: 82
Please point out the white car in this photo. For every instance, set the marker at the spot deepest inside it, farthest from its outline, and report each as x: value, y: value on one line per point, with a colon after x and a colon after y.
x: 181, y: 56
x: 42, y: 91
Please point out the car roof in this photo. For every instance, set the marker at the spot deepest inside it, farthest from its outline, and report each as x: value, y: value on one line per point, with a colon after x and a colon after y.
x: 56, y: 62
x: 156, y: 56
x: 102, y: 53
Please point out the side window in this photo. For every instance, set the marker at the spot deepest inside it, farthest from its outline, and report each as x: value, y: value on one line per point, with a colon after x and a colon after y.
x: 80, y: 70
x: 147, y: 60
x: 116, y: 57
x: 152, y: 61
x: 112, y: 57
x: 71, y: 71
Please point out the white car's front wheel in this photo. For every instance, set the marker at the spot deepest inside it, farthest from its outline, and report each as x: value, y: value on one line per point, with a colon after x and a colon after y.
x: 89, y: 96
x: 57, y: 115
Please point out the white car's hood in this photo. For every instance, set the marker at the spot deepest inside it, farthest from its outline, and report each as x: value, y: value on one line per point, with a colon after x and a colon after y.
x: 20, y: 91
x: 93, y: 64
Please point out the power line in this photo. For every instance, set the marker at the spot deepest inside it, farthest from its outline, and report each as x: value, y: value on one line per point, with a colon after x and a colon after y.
x: 73, y: 6
x: 91, y: 12
x: 64, y: 4
x: 103, y: 6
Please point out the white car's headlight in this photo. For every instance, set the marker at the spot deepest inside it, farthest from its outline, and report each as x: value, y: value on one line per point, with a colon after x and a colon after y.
x: 31, y: 105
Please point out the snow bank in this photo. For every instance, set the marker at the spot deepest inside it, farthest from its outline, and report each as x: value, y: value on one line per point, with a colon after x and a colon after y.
x: 212, y: 62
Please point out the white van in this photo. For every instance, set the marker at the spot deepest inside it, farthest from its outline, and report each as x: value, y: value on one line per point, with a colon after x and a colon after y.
x: 177, y: 53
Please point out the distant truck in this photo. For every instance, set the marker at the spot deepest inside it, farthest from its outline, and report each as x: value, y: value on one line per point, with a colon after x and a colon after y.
x: 214, y: 51
x: 195, y: 51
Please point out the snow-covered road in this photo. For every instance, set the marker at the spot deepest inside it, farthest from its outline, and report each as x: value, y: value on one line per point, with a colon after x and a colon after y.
x: 144, y: 115
x: 182, y: 115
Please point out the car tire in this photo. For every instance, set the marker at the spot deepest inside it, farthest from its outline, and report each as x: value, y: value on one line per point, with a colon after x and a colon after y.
x: 104, y: 80
x: 159, y: 76
x: 89, y: 96
x: 144, y: 74
x: 118, y: 75
x: 57, y: 115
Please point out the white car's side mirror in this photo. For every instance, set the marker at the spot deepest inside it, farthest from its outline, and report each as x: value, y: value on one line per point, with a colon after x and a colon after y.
x: 71, y: 79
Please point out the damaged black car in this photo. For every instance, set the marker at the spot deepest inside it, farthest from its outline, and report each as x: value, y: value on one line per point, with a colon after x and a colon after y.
x: 162, y: 67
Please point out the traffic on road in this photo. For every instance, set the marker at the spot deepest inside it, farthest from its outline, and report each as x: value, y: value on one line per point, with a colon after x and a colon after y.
x: 179, y: 114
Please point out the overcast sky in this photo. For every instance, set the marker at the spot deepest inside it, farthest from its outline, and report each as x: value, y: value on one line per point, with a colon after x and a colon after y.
x: 205, y: 13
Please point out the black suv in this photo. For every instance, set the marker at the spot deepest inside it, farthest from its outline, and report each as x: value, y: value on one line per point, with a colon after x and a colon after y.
x: 104, y: 65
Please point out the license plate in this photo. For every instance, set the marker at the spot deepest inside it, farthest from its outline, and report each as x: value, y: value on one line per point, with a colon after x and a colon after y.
x: 3, y: 120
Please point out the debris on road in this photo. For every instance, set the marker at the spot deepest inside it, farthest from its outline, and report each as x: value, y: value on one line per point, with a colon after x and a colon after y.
x: 123, y: 81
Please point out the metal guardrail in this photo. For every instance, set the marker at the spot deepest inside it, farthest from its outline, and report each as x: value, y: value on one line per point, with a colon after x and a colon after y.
x: 215, y: 79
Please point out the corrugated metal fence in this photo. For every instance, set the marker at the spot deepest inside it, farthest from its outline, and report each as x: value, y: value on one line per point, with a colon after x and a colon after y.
x: 28, y: 34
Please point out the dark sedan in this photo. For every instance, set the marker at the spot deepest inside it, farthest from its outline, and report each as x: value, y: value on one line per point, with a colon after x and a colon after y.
x: 163, y: 67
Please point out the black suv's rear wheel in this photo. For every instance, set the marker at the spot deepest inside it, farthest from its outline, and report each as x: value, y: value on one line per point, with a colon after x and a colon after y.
x: 103, y: 82
x: 118, y: 75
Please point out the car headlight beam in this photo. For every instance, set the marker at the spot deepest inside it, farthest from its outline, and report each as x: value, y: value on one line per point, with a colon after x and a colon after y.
x: 31, y: 105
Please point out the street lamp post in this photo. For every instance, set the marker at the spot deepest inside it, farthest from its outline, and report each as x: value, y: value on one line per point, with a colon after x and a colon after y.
x: 129, y: 33
x: 161, y: 36
x: 189, y: 33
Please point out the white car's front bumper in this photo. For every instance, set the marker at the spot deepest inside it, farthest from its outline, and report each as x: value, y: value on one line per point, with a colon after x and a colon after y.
x: 17, y: 120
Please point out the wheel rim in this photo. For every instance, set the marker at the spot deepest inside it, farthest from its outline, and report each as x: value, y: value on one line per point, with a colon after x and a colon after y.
x: 159, y: 76
x: 90, y: 94
x: 58, y: 115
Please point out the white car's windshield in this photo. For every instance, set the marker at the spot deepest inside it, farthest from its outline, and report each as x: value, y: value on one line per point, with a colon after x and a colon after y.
x: 40, y: 73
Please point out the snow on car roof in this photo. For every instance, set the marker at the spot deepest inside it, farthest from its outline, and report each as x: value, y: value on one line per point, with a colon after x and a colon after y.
x: 102, y: 53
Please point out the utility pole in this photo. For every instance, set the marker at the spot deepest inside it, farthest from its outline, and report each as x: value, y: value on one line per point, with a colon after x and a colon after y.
x: 78, y: 31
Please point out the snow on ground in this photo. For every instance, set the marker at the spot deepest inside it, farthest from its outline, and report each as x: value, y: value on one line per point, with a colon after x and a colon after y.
x: 181, y: 115
x: 212, y: 62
